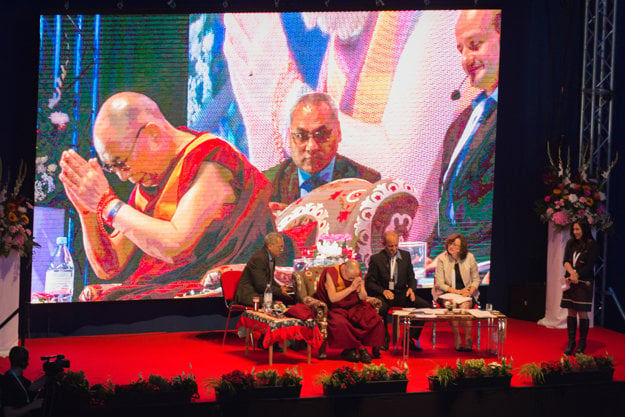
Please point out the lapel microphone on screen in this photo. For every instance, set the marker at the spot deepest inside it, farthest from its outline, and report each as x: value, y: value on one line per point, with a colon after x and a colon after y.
x: 455, y: 95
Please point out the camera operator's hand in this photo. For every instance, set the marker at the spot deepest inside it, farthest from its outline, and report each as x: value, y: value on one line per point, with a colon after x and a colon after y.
x: 38, y: 383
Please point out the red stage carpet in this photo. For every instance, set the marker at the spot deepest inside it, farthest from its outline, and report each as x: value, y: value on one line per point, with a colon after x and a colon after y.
x: 123, y: 357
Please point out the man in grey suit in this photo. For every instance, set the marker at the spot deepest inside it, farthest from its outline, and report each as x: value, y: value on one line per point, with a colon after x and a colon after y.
x: 259, y: 271
x: 390, y: 278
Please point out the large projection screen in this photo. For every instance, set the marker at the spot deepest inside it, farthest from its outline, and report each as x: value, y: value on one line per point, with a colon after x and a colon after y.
x: 412, y: 150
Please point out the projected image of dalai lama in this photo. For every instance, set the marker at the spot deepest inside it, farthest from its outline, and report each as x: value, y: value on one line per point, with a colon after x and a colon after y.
x: 466, y: 199
x: 314, y: 137
x: 197, y: 201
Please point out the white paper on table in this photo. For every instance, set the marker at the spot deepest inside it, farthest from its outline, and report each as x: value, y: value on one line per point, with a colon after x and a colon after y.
x: 427, y: 311
x: 416, y: 312
x: 481, y: 314
x: 455, y: 298
x: 424, y: 313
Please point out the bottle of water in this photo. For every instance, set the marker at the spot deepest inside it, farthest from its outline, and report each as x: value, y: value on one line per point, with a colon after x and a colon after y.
x: 60, y: 273
x: 267, y: 298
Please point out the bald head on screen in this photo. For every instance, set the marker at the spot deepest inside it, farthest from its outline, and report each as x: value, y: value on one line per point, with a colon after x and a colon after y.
x: 129, y: 131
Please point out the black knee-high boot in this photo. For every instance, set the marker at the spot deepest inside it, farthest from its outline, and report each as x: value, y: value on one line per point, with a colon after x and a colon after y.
x: 583, y: 333
x: 571, y: 326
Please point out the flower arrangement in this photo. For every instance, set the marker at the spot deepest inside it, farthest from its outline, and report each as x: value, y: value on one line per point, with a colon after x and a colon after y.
x: 231, y: 385
x: 332, y: 245
x: 572, y: 198
x: 471, y: 369
x: 346, y: 376
x: 578, y: 365
x: 15, y: 217
x: 341, y: 378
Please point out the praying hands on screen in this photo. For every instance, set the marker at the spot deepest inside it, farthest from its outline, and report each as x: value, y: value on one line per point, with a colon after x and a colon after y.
x: 84, y: 181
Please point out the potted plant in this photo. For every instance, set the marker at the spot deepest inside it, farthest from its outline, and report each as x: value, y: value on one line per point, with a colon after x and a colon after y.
x: 101, y: 394
x: 238, y: 385
x: 156, y: 389
x: 186, y: 385
x: 472, y: 373
x: 70, y: 393
x: 371, y: 379
x: 570, y: 370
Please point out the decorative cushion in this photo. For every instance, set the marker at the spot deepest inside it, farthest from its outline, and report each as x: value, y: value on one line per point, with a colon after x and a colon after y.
x: 354, y: 207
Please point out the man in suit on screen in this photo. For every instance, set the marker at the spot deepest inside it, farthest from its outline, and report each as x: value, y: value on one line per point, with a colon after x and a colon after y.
x: 467, y: 176
x: 314, y: 137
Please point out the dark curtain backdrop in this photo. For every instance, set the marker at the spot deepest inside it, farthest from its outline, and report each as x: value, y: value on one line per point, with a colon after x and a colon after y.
x: 542, y: 46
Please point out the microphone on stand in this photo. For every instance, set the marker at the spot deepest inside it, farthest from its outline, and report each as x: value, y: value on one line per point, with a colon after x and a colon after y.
x: 455, y: 95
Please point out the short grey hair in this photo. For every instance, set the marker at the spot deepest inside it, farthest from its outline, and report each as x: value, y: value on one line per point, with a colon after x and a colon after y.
x: 389, y: 233
x: 316, y: 98
x: 273, y: 238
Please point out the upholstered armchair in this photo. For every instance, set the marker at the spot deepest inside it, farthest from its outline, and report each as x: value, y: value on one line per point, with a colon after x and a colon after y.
x: 305, y: 286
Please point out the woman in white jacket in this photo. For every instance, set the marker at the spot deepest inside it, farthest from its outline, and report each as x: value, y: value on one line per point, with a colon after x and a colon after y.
x: 457, y: 273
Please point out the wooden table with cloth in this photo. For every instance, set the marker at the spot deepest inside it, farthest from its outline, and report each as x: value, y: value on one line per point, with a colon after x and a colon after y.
x: 279, y: 328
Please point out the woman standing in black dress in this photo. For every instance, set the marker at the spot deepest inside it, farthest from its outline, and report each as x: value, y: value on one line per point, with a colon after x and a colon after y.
x: 580, y: 255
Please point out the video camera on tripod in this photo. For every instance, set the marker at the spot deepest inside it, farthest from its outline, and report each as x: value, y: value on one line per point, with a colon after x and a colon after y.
x: 54, y: 364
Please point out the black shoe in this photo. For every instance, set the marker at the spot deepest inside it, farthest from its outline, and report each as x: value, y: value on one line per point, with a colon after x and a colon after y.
x: 350, y: 355
x: 375, y: 353
x: 414, y: 347
x: 364, y: 355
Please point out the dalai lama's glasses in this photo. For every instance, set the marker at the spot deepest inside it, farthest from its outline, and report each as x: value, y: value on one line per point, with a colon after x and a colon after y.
x: 321, y: 135
x: 119, y: 164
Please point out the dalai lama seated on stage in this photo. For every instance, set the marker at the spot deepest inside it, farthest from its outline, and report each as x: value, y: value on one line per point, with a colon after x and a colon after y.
x: 197, y: 201
x: 353, y: 322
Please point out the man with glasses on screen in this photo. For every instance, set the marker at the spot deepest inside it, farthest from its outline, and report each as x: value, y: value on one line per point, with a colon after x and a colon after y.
x: 197, y: 201
x: 314, y: 137
x: 466, y: 199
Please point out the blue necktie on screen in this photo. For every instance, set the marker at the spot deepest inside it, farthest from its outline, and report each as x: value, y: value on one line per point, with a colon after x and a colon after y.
x: 457, y: 165
x: 312, y: 183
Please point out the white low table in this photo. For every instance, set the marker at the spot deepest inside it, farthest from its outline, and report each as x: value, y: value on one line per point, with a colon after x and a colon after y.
x: 494, y: 322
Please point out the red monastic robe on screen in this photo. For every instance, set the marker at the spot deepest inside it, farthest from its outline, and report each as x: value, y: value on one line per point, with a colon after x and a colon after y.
x: 352, y: 322
x: 231, y: 238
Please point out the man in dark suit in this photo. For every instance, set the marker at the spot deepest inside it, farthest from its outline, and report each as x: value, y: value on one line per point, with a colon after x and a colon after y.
x: 314, y: 137
x: 390, y: 278
x: 259, y: 271
x: 467, y: 176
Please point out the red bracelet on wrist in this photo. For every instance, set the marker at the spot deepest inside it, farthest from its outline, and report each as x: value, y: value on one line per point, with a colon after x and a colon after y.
x: 106, y: 198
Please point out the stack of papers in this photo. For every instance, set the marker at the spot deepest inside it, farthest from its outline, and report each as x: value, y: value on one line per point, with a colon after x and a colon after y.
x: 455, y: 298
x: 481, y: 314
